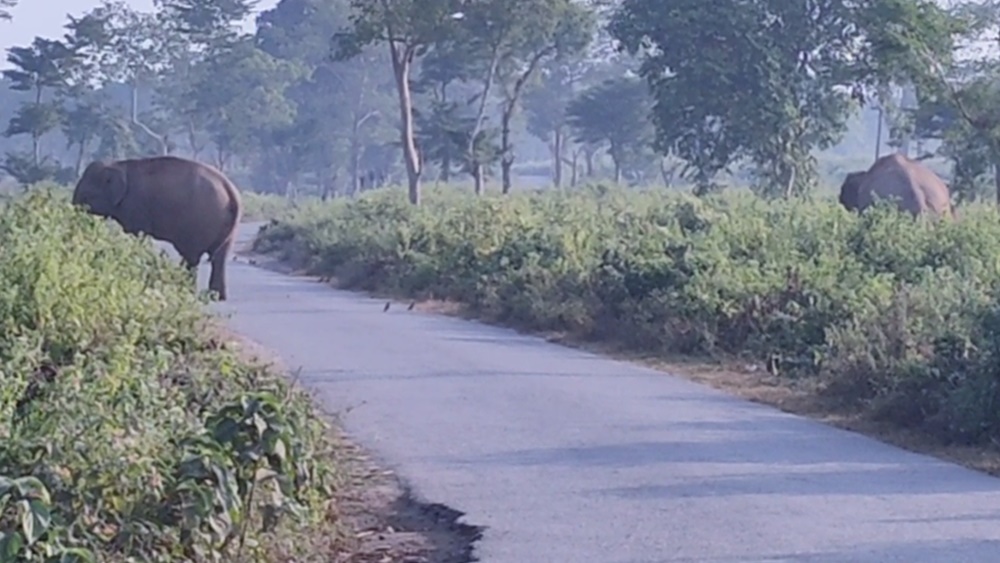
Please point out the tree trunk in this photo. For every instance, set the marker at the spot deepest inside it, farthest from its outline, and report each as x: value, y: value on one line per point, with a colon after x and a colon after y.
x: 192, y: 132
x: 160, y: 140
x: 477, y: 178
x: 79, y: 157
x: 575, y: 167
x: 221, y: 157
x: 506, y: 151
x: 401, y: 70
x: 36, y: 139
x: 507, y: 160
x: 445, y: 175
x: 996, y: 174
x: 667, y: 173
x: 557, y: 157
x: 354, y: 156
x: 481, y: 114
x: 790, y: 183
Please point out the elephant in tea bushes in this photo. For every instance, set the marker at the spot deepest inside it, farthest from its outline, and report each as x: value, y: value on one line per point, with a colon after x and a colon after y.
x: 911, y: 185
x: 189, y: 204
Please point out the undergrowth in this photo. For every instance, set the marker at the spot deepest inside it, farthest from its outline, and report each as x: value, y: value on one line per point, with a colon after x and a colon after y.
x: 127, y: 431
x: 892, y: 316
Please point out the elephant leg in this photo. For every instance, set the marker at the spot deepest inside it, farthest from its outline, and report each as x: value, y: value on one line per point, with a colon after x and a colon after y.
x: 217, y: 280
x: 189, y: 261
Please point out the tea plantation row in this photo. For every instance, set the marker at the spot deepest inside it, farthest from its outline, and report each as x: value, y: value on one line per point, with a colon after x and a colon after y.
x: 896, y: 317
x: 127, y: 433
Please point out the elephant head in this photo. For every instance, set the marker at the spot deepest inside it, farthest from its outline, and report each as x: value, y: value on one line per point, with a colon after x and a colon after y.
x: 850, y: 189
x: 101, y: 188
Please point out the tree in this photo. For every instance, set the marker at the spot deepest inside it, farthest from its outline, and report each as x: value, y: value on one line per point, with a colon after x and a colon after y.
x: 768, y: 81
x: 550, y: 29
x: 545, y: 103
x: 615, y: 113
x: 331, y: 96
x: 409, y: 28
x: 5, y: 7
x: 125, y: 46
x: 462, y: 58
x: 81, y: 125
x: 240, y: 93
x: 208, y: 24
x: 37, y: 69
x: 972, y: 90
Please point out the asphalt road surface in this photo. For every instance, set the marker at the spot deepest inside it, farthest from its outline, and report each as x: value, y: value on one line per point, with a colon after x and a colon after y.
x: 567, y: 457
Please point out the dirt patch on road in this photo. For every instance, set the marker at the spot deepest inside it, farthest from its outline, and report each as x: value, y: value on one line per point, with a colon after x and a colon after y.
x: 384, y: 522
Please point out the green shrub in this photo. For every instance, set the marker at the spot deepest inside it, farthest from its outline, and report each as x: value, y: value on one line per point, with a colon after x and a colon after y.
x: 894, y: 315
x: 126, y: 433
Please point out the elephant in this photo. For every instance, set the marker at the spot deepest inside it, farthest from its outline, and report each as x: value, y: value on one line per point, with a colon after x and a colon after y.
x: 913, y: 186
x: 191, y: 205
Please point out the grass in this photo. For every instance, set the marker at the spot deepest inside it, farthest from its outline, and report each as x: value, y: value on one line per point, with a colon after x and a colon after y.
x: 887, y: 323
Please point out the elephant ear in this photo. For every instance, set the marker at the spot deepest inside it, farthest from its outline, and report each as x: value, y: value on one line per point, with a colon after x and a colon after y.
x: 116, y: 183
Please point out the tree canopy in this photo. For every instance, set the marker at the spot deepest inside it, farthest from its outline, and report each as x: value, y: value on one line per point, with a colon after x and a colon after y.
x: 338, y: 96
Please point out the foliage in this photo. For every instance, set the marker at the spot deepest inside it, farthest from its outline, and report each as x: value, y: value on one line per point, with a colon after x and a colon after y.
x: 5, y: 6
x: 336, y: 96
x: 128, y: 432
x: 766, y: 81
x: 896, y: 315
x: 615, y: 112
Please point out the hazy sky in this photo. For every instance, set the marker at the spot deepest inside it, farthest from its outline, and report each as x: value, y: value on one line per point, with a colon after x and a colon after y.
x: 47, y: 17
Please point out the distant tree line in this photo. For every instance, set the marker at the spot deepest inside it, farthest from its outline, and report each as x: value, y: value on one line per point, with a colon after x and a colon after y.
x: 335, y: 96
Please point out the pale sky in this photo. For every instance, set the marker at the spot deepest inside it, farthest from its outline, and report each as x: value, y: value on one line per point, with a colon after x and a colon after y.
x: 46, y: 18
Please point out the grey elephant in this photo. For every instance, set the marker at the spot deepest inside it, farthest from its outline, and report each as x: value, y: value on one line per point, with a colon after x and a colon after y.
x: 911, y: 185
x: 189, y: 204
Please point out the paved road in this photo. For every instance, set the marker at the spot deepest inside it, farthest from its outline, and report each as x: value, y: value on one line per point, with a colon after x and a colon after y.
x: 567, y: 457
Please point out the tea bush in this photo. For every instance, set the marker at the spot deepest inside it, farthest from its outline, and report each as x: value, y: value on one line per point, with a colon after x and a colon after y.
x: 894, y: 316
x: 126, y: 432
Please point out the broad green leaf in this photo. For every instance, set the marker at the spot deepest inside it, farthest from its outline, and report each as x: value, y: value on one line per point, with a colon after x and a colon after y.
x: 35, y: 519
x: 11, y: 544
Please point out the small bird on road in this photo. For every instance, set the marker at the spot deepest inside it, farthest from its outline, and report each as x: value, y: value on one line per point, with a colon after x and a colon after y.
x: 412, y: 305
x: 386, y: 308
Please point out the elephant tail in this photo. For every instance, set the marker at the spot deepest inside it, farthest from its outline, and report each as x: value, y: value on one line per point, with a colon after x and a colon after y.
x: 228, y: 235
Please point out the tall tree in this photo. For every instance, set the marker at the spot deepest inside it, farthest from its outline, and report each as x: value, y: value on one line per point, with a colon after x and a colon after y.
x: 972, y: 90
x: 409, y: 28
x: 38, y: 69
x: 549, y: 29
x: 468, y: 63
x: 546, y: 102
x: 240, y: 93
x: 128, y: 47
x: 332, y: 96
x: 768, y: 81
x: 616, y: 114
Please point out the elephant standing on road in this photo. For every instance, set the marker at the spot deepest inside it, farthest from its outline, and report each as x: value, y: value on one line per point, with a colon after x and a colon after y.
x: 191, y: 205
x: 913, y: 187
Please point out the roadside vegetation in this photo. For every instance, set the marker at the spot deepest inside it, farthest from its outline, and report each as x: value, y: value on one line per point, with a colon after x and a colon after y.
x: 260, y: 207
x: 130, y: 430
x: 881, y: 314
